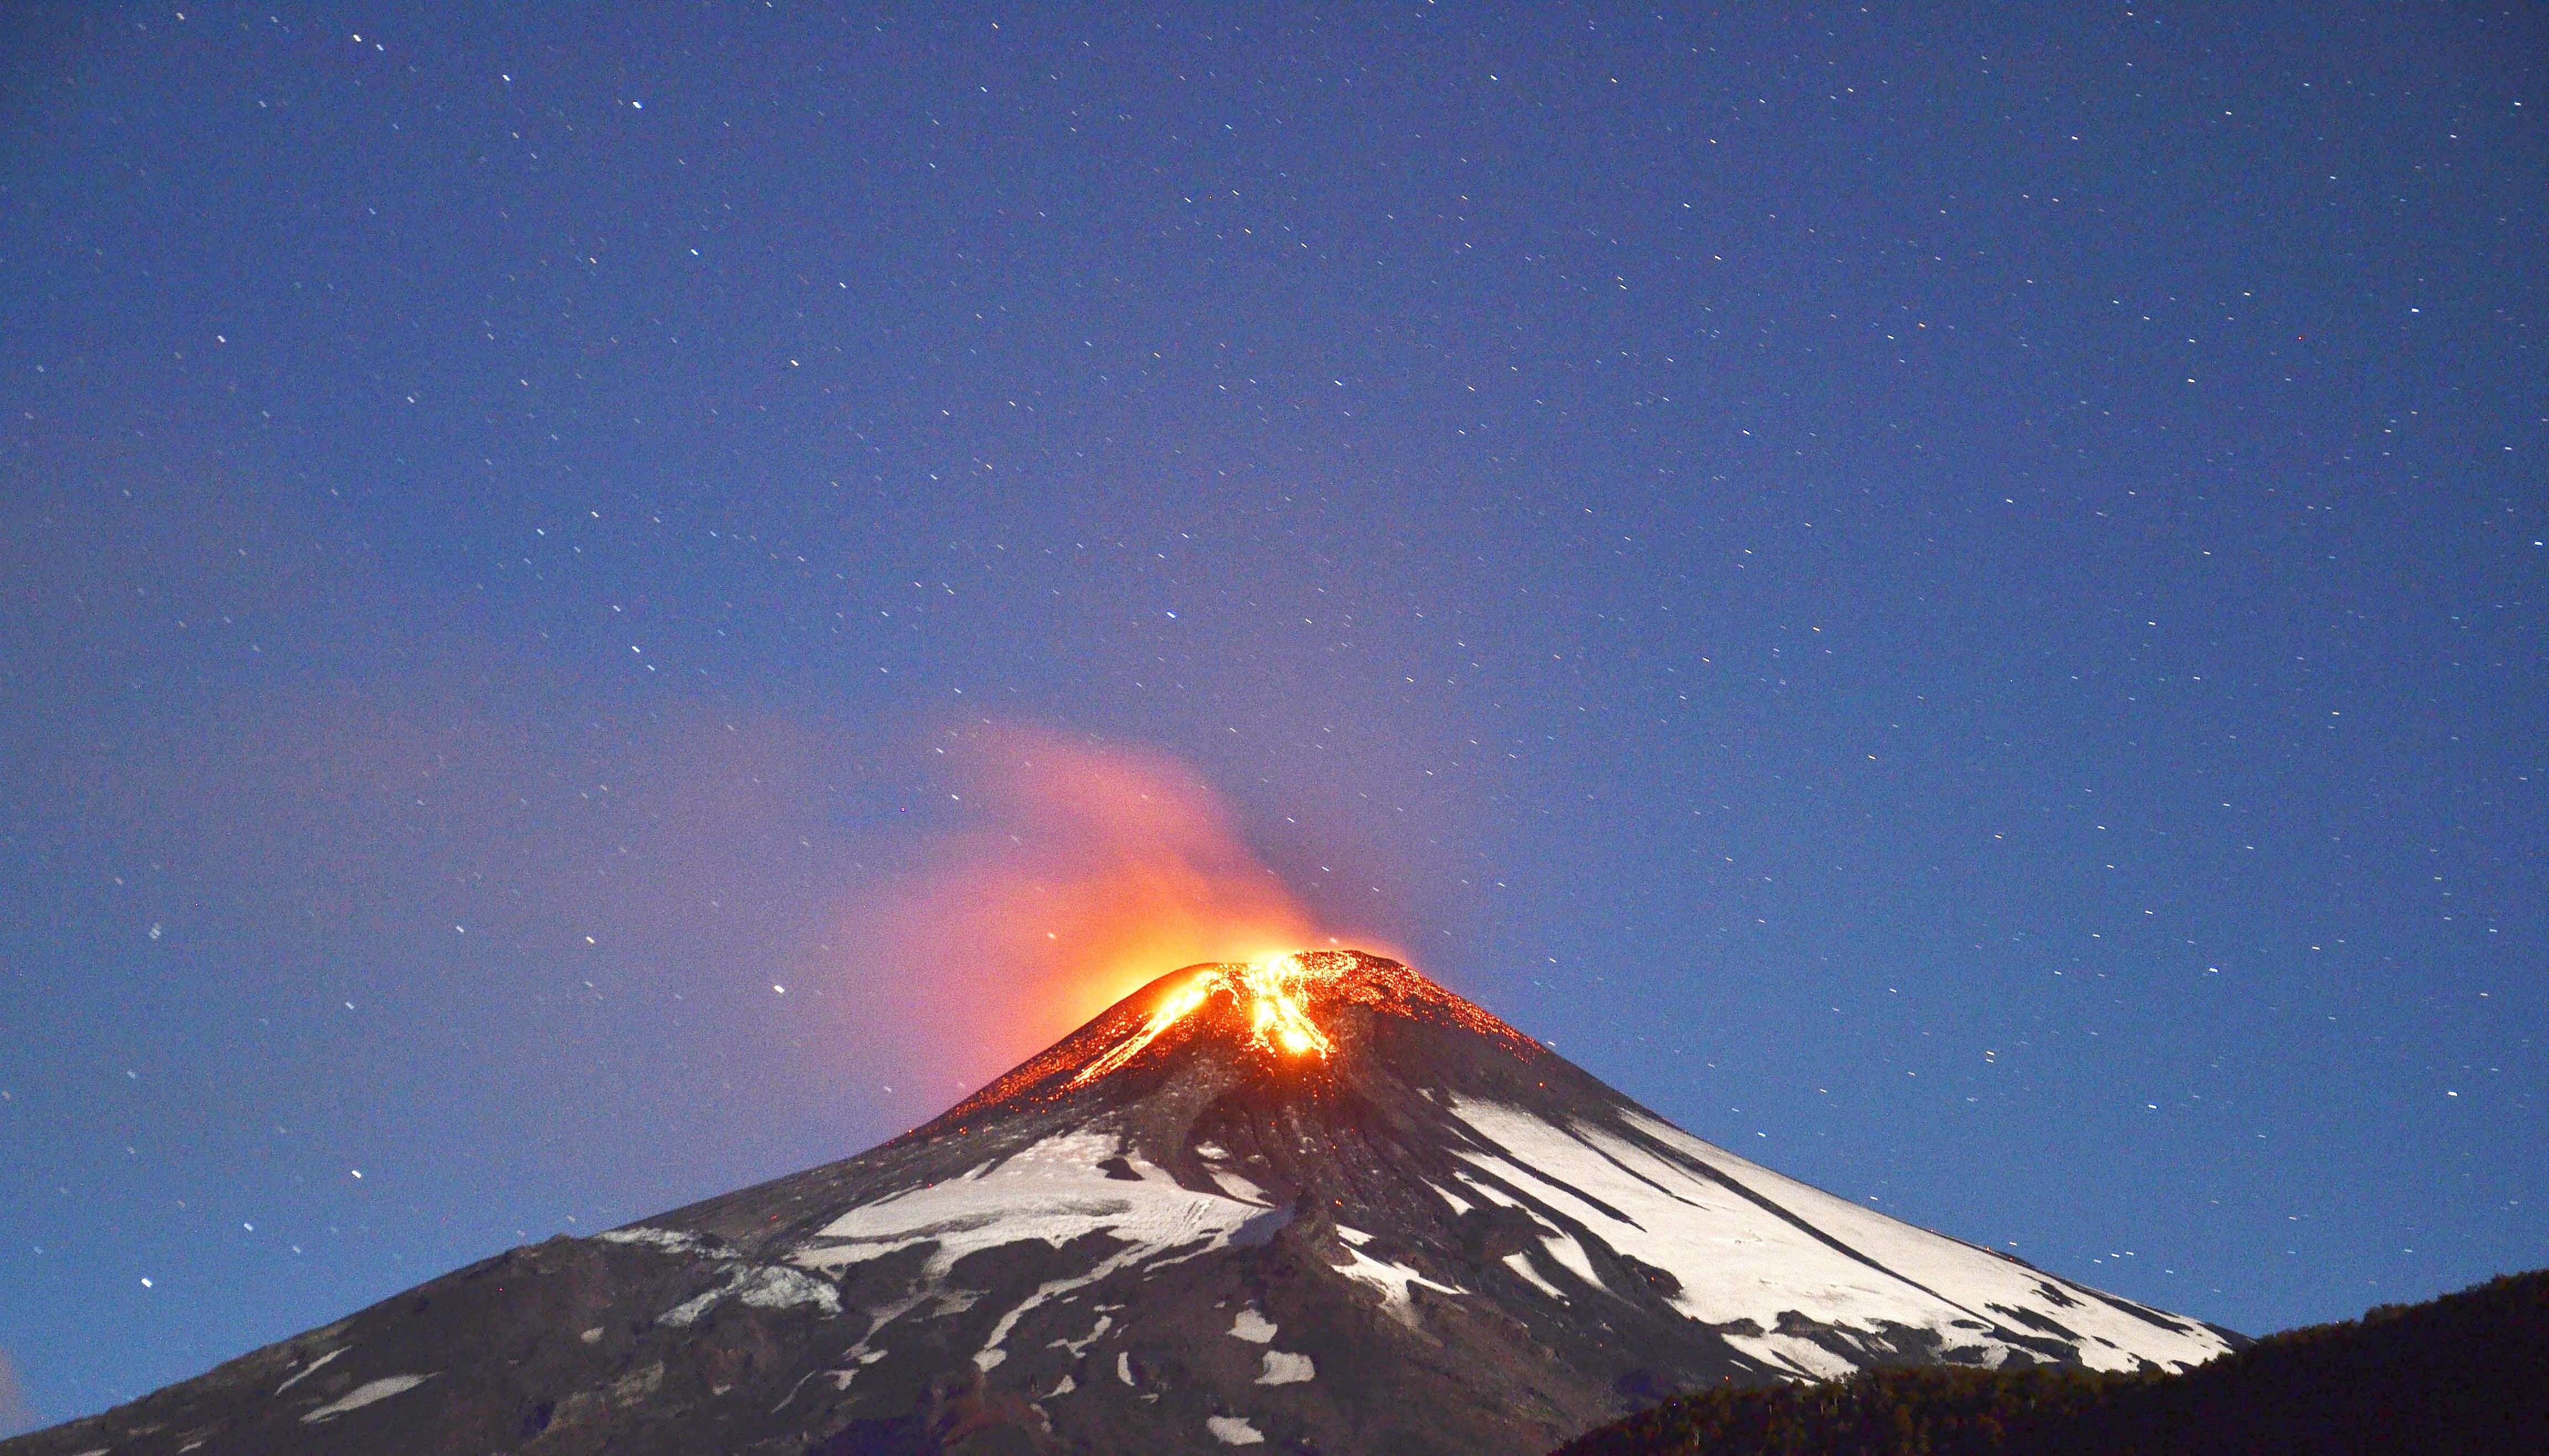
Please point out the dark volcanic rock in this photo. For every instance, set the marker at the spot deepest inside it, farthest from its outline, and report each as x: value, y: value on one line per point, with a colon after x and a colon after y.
x: 2467, y: 1373
x: 1174, y: 1233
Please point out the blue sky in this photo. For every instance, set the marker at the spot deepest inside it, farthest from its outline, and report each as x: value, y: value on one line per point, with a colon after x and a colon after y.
x: 1955, y: 608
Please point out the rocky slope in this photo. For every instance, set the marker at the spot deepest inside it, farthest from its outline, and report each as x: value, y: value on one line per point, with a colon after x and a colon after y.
x: 1316, y: 1205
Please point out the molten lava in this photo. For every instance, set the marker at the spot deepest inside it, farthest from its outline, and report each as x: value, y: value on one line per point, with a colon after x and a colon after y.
x: 1276, y: 993
x: 1289, y: 1010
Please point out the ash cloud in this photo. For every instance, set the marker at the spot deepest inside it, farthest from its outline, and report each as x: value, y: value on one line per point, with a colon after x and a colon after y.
x: 1083, y: 873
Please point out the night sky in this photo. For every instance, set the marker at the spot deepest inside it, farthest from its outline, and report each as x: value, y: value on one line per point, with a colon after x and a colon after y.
x: 599, y: 603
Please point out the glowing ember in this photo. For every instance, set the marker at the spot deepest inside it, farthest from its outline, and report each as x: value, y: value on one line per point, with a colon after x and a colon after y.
x: 1276, y: 993
x: 1278, y: 1017
x: 1194, y: 993
x: 1288, y: 1008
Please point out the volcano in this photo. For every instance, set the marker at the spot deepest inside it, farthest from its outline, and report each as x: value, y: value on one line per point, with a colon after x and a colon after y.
x: 1318, y: 1204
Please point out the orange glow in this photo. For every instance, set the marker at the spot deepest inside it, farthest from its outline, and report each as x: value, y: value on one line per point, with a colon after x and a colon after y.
x: 1195, y: 991
x: 1281, y: 1016
x: 1308, y: 1010
x: 1276, y: 991
x: 1080, y: 873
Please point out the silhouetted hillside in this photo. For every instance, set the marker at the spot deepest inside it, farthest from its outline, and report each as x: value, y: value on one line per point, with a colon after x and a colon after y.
x: 2466, y: 1373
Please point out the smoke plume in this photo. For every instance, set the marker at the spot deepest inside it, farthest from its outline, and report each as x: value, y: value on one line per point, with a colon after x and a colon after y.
x: 1084, y: 872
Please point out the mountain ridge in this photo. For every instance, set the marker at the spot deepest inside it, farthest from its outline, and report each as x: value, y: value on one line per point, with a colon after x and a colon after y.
x: 1317, y: 1203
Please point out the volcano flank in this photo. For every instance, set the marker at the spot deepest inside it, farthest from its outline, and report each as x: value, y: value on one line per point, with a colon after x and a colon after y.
x: 1318, y: 1204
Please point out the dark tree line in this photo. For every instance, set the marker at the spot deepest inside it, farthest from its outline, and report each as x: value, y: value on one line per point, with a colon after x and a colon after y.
x: 2466, y: 1373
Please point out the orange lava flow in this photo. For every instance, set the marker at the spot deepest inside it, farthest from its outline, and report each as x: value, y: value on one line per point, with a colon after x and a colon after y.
x: 1276, y: 993
x: 1195, y: 991
x: 1286, y: 1008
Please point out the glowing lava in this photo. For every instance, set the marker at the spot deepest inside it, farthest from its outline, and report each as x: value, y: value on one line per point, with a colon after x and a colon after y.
x: 1290, y: 1009
x: 1275, y: 991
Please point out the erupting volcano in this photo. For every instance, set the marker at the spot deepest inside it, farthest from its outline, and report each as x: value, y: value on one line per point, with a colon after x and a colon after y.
x: 1316, y: 1203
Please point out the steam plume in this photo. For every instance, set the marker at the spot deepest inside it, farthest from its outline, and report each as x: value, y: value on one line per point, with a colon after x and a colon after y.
x: 1084, y: 872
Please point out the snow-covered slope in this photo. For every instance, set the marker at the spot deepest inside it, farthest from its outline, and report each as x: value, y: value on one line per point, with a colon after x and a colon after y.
x: 1745, y: 1244
x: 1322, y: 1206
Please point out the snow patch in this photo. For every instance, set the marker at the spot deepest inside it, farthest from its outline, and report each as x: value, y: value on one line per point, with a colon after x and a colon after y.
x: 670, y: 1241
x: 1046, y: 1290
x: 1238, y: 1187
x: 1252, y: 1327
x: 303, y: 1373
x: 1792, y: 1355
x: 688, y: 1310
x: 858, y: 1358
x: 1231, y: 1430
x: 1052, y: 1192
x: 1086, y: 1340
x: 364, y: 1395
x: 1285, y: 1367
x: 1520, y: 1263
x: 1393, y: 1279
x: 763, y: 1287
x: 777, y: 1286
x: 1567, y: 1251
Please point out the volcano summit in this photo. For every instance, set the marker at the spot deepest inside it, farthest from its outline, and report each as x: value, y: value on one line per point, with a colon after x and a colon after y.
x: 1317, y: 1204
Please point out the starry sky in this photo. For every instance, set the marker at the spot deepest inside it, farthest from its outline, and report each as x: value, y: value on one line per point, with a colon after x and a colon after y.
x: 1954, y: 604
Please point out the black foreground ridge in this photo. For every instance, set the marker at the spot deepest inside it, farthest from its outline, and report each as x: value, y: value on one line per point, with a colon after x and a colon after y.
x: 1184, y: 1227
x: 2462, y: 1374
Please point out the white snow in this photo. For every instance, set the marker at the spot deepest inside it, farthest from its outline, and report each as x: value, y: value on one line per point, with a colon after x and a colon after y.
x: 857, y: 1358
x: 1566, y: 1250
x: 775, y: 1287
x: 1252, y: 1327
x: 1124, y: 1366
x: 671, y: 1241
x: 303, y: 1373
x: 1051, y: 1190
x: 1231, y: 1430
x: 1213, y: 1154
x: 990, y: 1354
x: 1458, y: 1204
x: 1739, y: 1260
x: 1285, y: 1368
x: 688, y: 1310
x: 1393, y: 1279
x: 1793, y: 1354
x: 364, y: 1395
x: 761, y: 1286
x: 1520, y: 1263
x: 1355, y: 1236
x: 1237, y: 1187
x: 1086, y: 1340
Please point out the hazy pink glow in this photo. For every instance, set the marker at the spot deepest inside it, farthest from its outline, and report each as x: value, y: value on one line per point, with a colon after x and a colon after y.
x: 1090, y: 872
